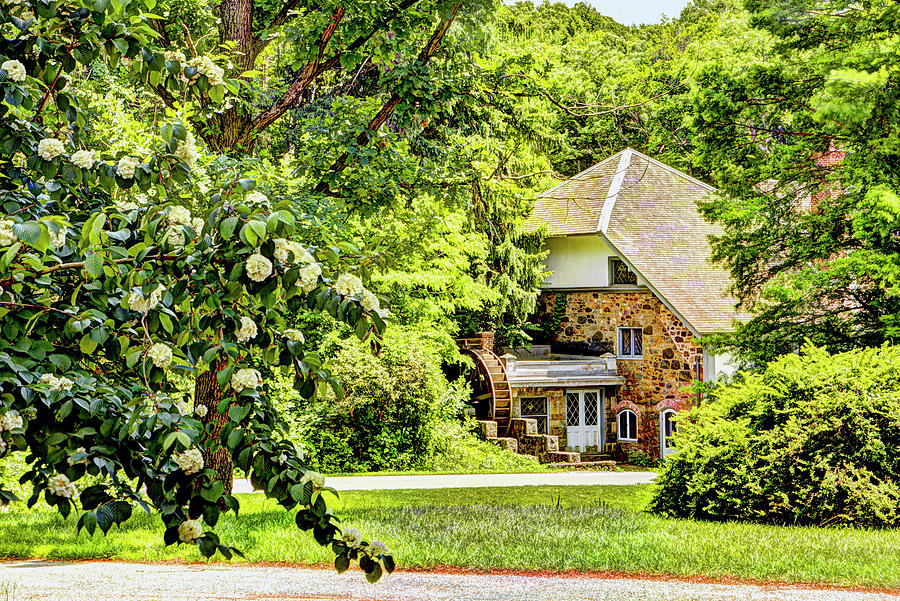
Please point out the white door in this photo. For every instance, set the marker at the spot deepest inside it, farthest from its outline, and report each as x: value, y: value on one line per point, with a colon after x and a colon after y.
x: 584, y: 419
x: 667, y: 429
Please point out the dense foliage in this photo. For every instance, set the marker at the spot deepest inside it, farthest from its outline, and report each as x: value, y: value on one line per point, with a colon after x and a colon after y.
x: 804, y: 148
x: 813, y: 439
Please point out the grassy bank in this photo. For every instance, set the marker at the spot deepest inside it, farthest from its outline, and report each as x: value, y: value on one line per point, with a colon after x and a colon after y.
x: 540, y: 527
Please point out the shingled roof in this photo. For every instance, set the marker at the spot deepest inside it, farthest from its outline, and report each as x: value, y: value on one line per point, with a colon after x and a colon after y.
x: 647, y: 213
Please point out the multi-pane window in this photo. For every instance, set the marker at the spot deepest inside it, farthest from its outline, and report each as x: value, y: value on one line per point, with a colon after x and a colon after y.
x: 535, y: 408
x: 627, y: 429
x: 620, y: 275
x: 631, y: 343
x: 572, y: 411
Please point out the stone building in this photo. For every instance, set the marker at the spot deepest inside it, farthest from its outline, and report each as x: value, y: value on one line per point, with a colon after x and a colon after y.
x: 631, y: 296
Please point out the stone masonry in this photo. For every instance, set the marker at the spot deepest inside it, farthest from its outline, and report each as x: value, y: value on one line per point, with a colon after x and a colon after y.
x: 652, y: 384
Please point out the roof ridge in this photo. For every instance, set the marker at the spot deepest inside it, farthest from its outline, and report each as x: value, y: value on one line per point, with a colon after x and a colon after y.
x: 581, y: 173
x: 614, y: 187
x: 671, y: 169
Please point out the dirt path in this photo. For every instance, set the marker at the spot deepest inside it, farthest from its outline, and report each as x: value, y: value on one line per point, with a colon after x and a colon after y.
x: 113, y: 581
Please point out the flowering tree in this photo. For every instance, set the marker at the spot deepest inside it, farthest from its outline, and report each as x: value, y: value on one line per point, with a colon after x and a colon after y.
x: 102, y: 300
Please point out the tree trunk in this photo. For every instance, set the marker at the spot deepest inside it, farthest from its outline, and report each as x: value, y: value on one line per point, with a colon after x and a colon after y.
x: 215, y: 456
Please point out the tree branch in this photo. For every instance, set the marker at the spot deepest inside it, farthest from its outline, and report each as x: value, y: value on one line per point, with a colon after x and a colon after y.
x: 379, y: 119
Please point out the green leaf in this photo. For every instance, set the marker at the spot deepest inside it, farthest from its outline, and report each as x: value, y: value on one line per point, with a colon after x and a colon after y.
x: 213, y: 491
x: 93, y: 265
x: 374, y: 575
x: 341, y: 563
x: 226, y: 228
x: 87, y: 344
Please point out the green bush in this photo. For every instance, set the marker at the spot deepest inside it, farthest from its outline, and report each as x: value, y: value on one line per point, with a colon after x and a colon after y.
x: 813, y: 439
x: 642, y: 458
x: 392, y: 406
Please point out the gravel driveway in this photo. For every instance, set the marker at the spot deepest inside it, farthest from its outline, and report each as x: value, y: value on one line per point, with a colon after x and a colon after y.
x: 113, y: 581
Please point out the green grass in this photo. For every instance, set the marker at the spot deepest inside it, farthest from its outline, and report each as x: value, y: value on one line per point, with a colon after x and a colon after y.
x: 538, y: 527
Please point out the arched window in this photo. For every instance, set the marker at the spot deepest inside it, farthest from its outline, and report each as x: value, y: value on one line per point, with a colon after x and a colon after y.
x: 628, y: 425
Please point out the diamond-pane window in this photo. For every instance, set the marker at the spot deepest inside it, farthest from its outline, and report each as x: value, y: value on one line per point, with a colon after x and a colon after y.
x: 590, y: 408
x: 572, y: 409
x: 536, y: 408
x: 621, y: 275
x: 631, y: 343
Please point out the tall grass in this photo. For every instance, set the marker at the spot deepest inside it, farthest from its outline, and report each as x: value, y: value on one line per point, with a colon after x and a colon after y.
x: 536, y: 527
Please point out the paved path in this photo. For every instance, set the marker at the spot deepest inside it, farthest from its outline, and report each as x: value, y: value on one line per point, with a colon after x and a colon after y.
x: 477, y: 480
x: 113, y: 581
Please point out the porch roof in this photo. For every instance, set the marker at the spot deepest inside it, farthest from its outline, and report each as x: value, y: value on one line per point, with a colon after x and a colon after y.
x: 562, y: 373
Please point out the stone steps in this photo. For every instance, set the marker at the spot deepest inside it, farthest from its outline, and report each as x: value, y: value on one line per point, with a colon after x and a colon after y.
x: 560, y: 458
x: 510, y: 444
x: 600, y: 466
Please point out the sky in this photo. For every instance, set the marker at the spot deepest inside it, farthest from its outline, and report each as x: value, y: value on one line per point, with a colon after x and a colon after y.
x: 635, y: 12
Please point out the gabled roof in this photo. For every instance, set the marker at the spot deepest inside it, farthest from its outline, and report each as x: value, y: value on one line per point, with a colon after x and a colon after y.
x: 647, y: 212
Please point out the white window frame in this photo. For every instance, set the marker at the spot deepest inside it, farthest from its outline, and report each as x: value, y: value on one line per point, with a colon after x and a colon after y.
x: 545, y: 414
x: 619, y: 344
x: 619, y: 435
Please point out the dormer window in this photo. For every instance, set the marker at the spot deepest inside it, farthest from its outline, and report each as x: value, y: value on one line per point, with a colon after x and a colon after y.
x: 620, y: 275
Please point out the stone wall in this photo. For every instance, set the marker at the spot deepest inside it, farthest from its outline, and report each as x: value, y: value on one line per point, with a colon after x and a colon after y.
x: 556, y: 405
x: 654, y: 383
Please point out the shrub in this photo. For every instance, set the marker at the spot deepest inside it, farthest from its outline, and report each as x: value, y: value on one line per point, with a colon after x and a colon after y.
x: 641, y: 458
x: 391, y: 407
x: 813, y: 439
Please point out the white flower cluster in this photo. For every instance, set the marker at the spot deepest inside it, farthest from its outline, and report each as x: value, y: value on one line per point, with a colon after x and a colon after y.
x: 56, y: 383
x: 58, y: 238
x: 352, y: 538
x: 137, y: 303
x: 50, y: 148
x: 79, y: 451
x: 161, y: 355
x: 189, y: 531
x: 187, y: 150
x: 7, y: 235
x: 179, y: 215
x: 197, y: 224
x: 10, y: 421
x: 294, y: 335
x: 348, y: 284
x: 377, y: 549
x: 191, y: 461
x: 369, y: 301
x: 126, y: 167
x: 258, y: 267
x: 316, y: 478
x: 201, y: 410
x: 175, y: 55
x: 284, y: 248
x: 60, y: 486
x: 247, y: 330
x: 256, y: 198
x: 15, y: 71
x: 214, y: 73
x: 245, y: 378
x: 84, y: 159
x: 282, y: 459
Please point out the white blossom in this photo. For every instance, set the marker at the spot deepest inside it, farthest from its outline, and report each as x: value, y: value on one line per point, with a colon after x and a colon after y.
x: 214, y: 73
x: 60, y: 486
x: 191, y: 461
x: 2, y: 450
x: 7, y: 235
x: 317, y: 479
x: 247, y: 330
x: 308, y: 276
x: 378, y: 548
x: 175, y: 55
x: 10, y: 421
x: 50, y: 148
x: 137, y: 303
x: 175, y: 237
x: 294, y: 335
x: 258, y: 267
x: 245, y: 378
x: 179, y: 215
x: 189, y: 531
x: 282, y: 459
x: 352, y: 537
x: 161, y: 355
x: 187, y: 150
x: 256, y: 198
x: 15, y: 71
x: 348, y: 284
x: 58, y: 238
x: 369, y: 301
x: 197, y: 225
x: 127, y: 166
x: 201, y: 410
x: 84, y: 159
x: 56, y: 383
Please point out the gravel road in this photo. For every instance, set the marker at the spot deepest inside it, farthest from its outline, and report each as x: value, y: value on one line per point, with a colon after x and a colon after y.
x: 114, y: 581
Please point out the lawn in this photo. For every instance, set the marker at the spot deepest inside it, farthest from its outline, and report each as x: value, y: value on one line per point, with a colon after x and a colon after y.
x: 537, y: 527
